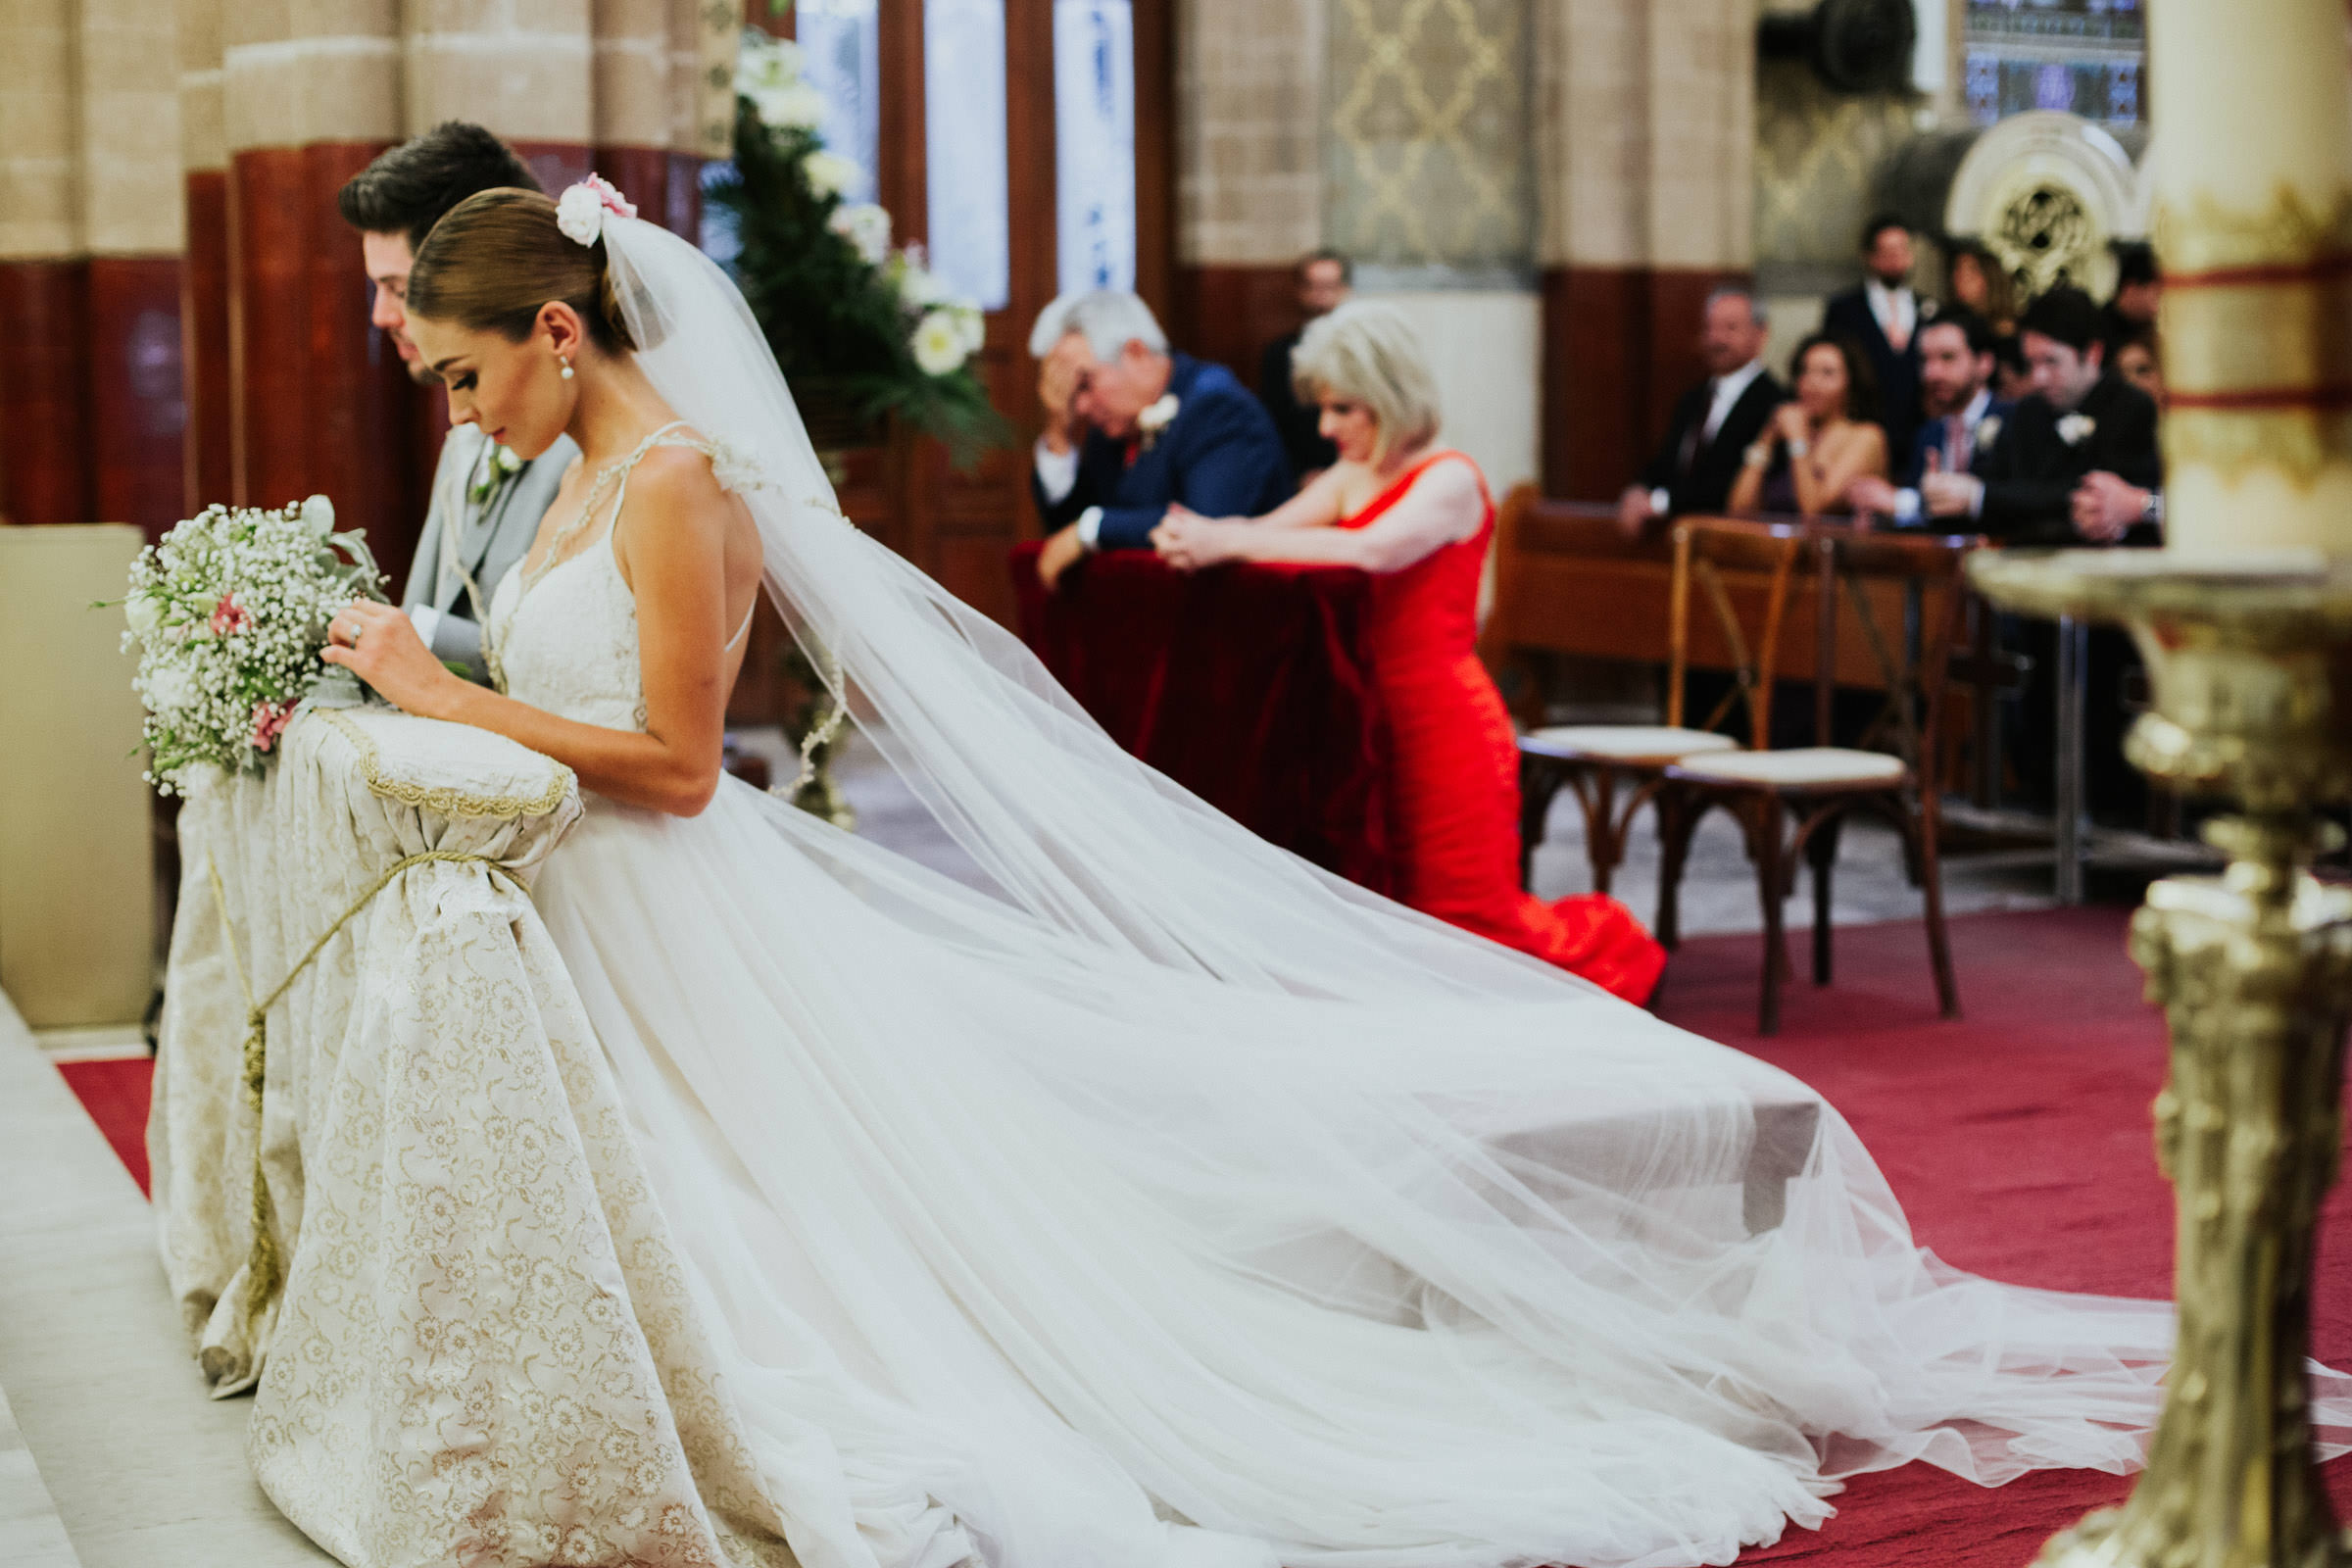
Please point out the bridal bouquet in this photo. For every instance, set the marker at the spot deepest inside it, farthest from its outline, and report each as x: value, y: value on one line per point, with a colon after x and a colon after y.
x: 228, y: 613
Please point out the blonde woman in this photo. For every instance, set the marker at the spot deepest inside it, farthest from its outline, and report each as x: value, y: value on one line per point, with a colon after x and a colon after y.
x: 1399, y: 505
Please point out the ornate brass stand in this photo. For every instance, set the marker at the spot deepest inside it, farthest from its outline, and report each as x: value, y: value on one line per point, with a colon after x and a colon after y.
x: 2252, y: 678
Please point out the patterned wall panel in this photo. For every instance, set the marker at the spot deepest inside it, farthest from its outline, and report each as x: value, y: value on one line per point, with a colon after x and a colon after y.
x: 1818, y: 158
x: 1427, y: 160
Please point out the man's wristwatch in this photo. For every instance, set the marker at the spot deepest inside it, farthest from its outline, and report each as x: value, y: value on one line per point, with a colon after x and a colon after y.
x: 2152, y: 508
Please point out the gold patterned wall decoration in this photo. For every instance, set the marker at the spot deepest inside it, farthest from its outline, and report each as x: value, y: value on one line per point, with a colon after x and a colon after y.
x: 1428, y: 159
x: 1818, y: 158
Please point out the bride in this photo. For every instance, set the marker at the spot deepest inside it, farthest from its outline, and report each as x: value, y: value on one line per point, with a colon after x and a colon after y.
x: 1176, y: 1205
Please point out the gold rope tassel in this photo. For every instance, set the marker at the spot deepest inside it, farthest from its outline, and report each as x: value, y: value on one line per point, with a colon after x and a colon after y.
x: 264, y: 1269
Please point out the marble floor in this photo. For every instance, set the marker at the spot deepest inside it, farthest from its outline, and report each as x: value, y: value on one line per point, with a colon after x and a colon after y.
x: 111, y: 1456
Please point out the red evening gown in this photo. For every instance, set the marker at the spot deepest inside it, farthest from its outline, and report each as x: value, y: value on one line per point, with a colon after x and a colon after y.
x: 1454, y: 770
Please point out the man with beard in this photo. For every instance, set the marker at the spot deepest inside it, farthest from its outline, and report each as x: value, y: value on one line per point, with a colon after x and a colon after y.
x: 487, y: 502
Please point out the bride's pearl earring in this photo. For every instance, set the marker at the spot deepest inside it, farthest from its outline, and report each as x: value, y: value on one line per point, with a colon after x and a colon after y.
x: 567, y: 363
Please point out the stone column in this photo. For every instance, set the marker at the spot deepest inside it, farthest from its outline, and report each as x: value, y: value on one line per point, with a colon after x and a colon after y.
x: 44, y: 277
x: 133, y: 226
x: 207, y: 466
x: 310, y: 93
x: 703, y: 36
x: 1646, y: 127
x: 523, y: 68
x: 631, y: 123
x: 1248, y: 171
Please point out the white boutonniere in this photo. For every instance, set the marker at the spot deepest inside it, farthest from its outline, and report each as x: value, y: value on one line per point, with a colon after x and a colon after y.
x: 1989, y: 430
x: 1155, y: 419
x: 498, y: 466
x: 2075, y: 428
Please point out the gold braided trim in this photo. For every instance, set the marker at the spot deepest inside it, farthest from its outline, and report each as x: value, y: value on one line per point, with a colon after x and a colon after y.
x: 264, y: 1267
x: 447, y: 801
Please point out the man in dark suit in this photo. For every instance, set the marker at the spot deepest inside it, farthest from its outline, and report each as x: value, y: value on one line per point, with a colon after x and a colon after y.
x: 1131, y: 427
x: 2082, y: 418
x: 1881, y: 316
x: 1964, y: 416
x: 1714, y: 421
x: 2083, y: 422
x: 1324, y: 281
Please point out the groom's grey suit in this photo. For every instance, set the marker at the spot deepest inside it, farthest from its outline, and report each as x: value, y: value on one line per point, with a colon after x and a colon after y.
x: 486, y: 534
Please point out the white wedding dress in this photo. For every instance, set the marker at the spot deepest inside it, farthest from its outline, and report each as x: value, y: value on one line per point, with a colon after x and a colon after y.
x: 1180, y: 1204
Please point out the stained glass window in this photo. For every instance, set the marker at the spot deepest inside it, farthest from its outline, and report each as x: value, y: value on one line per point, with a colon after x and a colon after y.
x: 840, y: 53
x: 964, y: 137
x: 1094, y: 142
x: 2086, y: 57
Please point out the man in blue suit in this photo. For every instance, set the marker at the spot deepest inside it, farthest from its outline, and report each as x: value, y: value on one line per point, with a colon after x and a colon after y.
x: 1962, y: 416
x: 1131, y: 428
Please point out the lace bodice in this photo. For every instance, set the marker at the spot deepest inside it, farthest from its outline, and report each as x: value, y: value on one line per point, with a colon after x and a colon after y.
x: 567, y: 639
x: 570, y: 645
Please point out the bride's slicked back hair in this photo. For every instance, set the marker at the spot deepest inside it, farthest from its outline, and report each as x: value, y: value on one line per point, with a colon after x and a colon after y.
x: 497, y: 257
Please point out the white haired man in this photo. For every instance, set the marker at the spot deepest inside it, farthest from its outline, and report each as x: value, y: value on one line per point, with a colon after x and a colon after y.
x: 1132, y: 428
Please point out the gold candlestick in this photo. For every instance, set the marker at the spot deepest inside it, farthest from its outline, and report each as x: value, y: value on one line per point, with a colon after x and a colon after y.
x: 2251, y: 675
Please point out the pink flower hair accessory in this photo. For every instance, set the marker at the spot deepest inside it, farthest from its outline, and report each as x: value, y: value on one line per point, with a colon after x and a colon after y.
x: 580, y: 210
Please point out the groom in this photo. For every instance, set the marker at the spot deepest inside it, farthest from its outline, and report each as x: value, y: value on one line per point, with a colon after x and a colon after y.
x: 1131, y: 427
x: 487, y: 501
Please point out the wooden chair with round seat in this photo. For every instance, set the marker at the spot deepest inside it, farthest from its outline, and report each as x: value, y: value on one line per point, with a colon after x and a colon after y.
x: 1791, y: 803
x: 1596, y: 760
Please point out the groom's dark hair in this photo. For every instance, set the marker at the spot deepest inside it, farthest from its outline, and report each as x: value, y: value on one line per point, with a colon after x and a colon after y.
x: 408, y: 187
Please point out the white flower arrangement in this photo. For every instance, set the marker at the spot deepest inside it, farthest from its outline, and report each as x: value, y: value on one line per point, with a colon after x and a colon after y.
x: 1157, y: 418
x: 229, y: 612
x: 830, y: 174
x: 867, y: 226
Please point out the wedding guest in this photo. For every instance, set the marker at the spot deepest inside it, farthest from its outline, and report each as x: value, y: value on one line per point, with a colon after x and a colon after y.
x: 1976, y: 278
x: 1324, y: 280
x: 2138, y: 290
x: 1131, y: 428
x: 2138, y: 362
x: 1713, y: 422
x: 2082, y: 417
x: 486, y: 503
x: 1819, y: 443
x: 1883, y: 315
x: 1418, y: 517
x: 1963, y: 415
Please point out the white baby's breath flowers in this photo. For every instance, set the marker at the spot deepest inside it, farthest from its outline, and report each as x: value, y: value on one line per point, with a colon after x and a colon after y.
x: 229, y: 612
x: 866, y: 227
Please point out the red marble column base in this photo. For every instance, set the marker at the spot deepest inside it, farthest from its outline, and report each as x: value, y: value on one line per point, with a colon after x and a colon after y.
x: 1620, y: 344
x: 138, y: 399
x: 45, y: 392
x: 207, y: 451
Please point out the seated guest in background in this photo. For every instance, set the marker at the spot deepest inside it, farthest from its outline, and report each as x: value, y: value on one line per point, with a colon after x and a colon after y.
x: 2138, y: 361
x: 1963, y: 417
x: 1132, y: 428
x: 2012, y: 376
x: 1714, y: 422
x: 1976, y: 280
x: 1819, y: 443
x: 1324, y: 280
x: 2138, y: 289
x: 1418, y: 516
x: 486, y: 503
x: 2082, y: 417
x: 1883, y: 315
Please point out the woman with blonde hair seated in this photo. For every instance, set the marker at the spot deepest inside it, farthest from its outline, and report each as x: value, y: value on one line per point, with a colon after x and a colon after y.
x: 1418, y: 517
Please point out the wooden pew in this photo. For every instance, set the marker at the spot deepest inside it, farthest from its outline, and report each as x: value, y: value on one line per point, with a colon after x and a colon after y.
x: 1566, y: 581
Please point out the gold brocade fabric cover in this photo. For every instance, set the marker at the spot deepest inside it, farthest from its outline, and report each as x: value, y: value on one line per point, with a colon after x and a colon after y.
x: 484, y: 1339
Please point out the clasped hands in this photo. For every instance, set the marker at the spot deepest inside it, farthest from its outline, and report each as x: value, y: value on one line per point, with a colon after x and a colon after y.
x: 378, y: 643
x: 1188, y: 541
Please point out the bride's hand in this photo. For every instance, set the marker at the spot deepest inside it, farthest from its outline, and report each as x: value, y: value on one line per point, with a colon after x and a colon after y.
x: 378, y: 643
x: 1188, y: 541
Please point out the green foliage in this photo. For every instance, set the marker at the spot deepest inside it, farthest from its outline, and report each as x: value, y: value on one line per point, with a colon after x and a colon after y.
x: 840, y: 325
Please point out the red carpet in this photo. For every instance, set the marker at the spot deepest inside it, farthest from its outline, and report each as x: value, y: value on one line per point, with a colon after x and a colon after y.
x: 2018, y: 1140
x: 2017, y: 1137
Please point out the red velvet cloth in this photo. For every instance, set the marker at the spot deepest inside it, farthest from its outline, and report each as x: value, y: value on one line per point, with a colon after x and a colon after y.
x: 1250, y: 686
